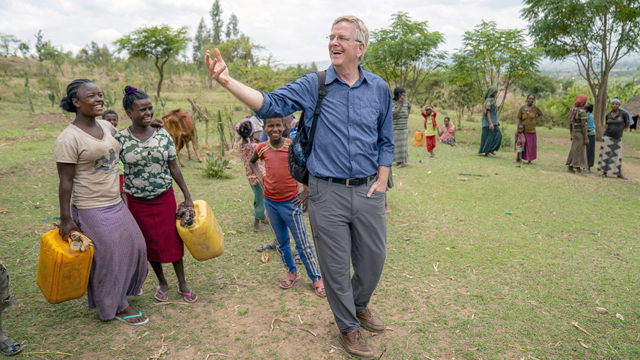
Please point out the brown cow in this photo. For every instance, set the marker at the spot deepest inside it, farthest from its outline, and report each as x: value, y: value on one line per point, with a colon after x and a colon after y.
x: 180, y: 126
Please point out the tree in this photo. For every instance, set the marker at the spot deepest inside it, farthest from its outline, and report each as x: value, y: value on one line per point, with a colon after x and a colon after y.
x: 232, y: 28
x: 405, y: 53
x: 42, y: 46
x: 161, y: 43
x: 25, y: 49
x: 8, y: 45
x: 46, y: 51
x: 202, y: 37
x: 492, y: 56
x: 96, y: 55
x: 461, y: 93
x: 216, y: 20
x: 596, y: 34
x: 537, y: 84
x: 241, y: 51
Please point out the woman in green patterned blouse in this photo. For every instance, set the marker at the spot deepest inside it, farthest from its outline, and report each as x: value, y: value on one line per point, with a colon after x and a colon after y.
x: 150, y: 167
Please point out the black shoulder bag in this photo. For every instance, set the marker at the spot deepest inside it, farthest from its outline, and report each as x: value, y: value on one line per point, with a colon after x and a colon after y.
x: 300, y: 148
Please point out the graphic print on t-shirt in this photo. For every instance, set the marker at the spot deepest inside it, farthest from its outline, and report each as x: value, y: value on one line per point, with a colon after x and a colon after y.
x: 104, y: 164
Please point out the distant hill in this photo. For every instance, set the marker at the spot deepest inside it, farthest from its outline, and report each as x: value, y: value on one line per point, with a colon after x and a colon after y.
x: 569, y: 69
x: 320, y: 64
x: 559, y: 70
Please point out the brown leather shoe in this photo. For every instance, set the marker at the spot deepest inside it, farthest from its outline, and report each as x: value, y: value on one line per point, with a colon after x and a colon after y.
x: 369, y: 321
x: 353, y: 343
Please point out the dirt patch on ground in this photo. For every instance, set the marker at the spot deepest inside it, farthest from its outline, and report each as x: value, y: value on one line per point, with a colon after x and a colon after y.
x: 630, y: 169
x: 49, y: 119
x: 558, y: 140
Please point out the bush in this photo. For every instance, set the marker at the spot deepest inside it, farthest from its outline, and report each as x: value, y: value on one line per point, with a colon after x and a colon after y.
x: 506, y: 141
x: 215, y: 166
x: 470, y: 117
x: 506, y: 137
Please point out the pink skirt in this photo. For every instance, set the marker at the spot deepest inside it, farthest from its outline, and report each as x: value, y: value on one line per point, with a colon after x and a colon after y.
x: 530, y: 147
x: 157, y: 220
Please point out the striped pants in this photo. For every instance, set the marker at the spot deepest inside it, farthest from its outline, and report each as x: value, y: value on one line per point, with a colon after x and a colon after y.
x: 283, y: 217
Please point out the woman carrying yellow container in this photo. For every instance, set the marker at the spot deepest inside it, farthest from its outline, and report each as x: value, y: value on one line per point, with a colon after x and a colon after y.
x: 86, y: 154
x: 150, y: 166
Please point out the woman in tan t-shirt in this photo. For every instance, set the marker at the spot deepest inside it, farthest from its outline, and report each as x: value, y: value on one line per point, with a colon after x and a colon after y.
x: 86, y: 155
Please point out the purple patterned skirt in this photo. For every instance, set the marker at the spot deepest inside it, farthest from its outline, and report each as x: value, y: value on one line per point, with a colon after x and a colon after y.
x: 119, y: 257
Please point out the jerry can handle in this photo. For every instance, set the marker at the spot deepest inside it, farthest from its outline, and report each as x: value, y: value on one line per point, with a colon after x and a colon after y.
x: 83, y: 236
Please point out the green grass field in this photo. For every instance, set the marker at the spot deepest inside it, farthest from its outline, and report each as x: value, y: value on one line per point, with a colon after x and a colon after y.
x: 463, y: 279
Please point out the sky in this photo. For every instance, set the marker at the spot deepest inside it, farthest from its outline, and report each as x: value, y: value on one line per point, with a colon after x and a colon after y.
x: 293, y: 31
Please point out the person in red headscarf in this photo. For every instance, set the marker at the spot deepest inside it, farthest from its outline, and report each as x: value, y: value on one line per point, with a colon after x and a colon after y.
x: 578, y: 126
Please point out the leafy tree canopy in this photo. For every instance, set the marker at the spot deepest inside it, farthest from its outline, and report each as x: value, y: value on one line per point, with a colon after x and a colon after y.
x: 161, y: 43
x: 405, y: 53
x: 492, y: 56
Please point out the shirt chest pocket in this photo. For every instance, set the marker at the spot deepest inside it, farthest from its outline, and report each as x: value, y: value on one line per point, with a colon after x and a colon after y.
x: 369, y: 112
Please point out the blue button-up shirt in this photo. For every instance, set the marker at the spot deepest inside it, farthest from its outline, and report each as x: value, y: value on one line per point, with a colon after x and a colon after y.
x: 354, y: 134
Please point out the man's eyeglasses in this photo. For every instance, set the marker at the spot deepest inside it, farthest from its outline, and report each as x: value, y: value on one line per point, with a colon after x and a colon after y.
x: 341, y: 38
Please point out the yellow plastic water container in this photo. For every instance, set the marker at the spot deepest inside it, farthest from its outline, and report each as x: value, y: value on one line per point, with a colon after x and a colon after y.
x: 63, y: 270
x: 204, y: 238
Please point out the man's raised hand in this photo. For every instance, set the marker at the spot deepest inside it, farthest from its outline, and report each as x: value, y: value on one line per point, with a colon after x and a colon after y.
x: 217, y: 68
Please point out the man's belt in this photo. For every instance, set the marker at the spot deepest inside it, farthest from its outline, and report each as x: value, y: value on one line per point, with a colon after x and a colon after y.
x: 350, y: 182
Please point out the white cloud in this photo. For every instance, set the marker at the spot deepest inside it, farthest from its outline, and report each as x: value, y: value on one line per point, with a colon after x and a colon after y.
x: 106, y: 35
x: 292, y: 30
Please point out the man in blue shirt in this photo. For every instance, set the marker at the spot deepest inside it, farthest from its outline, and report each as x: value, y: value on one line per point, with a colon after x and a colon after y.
x: 349, y: 167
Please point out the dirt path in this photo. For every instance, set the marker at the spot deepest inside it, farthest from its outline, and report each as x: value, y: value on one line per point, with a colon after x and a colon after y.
x: 630, y: 169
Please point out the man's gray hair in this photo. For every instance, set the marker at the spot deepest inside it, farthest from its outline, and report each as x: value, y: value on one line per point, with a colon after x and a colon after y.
x: 361, y: 32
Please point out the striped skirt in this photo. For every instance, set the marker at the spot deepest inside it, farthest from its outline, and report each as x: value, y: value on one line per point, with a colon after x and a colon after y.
x: 578, y: 153
x: 401, y: 151
x: 119, y: 257
x: 610, y: 161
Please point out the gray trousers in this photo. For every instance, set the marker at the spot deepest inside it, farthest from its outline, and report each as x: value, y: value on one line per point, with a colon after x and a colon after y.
x: 346, y: 225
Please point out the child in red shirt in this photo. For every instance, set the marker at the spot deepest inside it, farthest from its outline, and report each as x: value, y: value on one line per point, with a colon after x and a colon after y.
x: 283, y: 204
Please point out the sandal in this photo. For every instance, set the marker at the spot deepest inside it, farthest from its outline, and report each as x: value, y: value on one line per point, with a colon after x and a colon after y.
x: 622, y: 177
x: 10, y: 347
x: 318, y: 286
x: 124, y: 319
x: 189, y: 297
x: 297, y: 259
x: 268, y: 246
x: 288, y: 281
x: 160, y: 295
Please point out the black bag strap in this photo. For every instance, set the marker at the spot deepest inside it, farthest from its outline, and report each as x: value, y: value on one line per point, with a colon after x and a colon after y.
x: 322, y: 92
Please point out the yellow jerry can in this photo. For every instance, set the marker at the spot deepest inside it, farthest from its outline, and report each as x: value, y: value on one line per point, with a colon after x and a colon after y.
x: 204, y: 238
x: 63, y: 273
